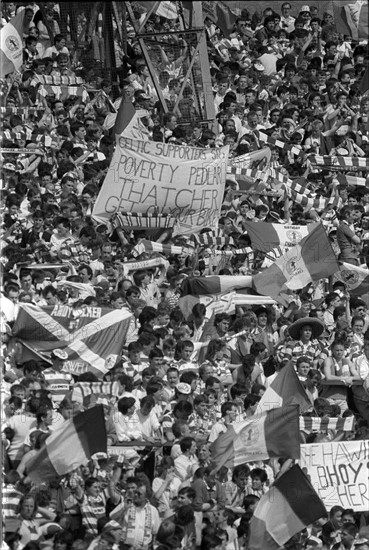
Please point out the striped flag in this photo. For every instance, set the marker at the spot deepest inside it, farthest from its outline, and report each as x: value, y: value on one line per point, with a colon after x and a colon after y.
x: 286, y: 509
x: 150, y: 246
x: 198, y: 286
x: 356, y: 279
x: 313, y: 424
x: 272, y: 434
x: 268, y: 236
x: 310, y: 260
x: 93, y: 337
x: 71, y: 446
x: 286, y: 390
x: 11, y: 45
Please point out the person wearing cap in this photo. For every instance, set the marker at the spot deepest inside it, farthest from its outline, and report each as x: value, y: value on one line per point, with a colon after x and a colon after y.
x: 304, y: 333
x: 305, y: 16
x: 58, y: 382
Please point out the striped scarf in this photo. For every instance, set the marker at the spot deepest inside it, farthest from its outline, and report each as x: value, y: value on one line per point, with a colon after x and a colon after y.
x: 81, y: 390
x: 135, y: 220
x: 149, y: 246
x: 275, y: 142
x: 309, y: 424
x: 213, y: 238
x: 25, y: 112
x: 56, y: 80
x: 61, y: 92
x: 340, y: 163
x: 129, y: 534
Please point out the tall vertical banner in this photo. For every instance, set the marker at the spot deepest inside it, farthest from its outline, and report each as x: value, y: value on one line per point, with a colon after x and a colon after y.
x: 339, y: 472
x: 147, y: 177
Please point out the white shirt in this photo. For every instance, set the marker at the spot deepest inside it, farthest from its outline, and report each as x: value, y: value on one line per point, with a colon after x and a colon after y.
x: 185, y: 466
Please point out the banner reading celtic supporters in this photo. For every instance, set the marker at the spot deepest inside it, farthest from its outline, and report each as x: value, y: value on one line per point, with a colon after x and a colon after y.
x: 154, y: 178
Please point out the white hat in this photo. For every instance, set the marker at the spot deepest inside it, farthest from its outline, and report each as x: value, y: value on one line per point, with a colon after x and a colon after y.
x: 305, y: 8
x: 59, y: 354
x: 184, y: 388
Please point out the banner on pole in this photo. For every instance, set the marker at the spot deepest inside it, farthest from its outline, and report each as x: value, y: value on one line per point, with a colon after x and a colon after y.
x: 339, y: 472
x: 153, y: 178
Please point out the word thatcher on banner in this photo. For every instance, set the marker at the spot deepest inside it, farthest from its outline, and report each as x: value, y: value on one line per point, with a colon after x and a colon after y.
x: 152, y: 177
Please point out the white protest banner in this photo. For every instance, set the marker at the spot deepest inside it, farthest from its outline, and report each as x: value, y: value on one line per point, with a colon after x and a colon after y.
x: 153, y: 177
x: 339, y: 472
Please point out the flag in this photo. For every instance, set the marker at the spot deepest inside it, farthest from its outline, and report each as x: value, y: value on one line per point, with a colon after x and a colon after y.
x: 290, y: 505
x: 197, y: 286
x: 352, y: 18
x: 11, y: 45
x: 356, y: 279
x: 71, y: 446
x: 127, y: 121
x: 272, y: 434
x: 164, y: 8
x: 310, y: 260
x: 266, y: 236
x: 93, y: 337
x: 286, y: 390
x: 221, y: 15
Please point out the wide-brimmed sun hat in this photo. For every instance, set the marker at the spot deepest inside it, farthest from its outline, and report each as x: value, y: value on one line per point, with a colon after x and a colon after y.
x: 317, y: 327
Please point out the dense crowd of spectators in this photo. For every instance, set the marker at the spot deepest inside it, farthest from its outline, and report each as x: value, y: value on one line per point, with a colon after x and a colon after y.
x: 285, y: 74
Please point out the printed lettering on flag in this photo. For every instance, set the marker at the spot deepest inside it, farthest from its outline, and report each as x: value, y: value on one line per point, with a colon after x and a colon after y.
x: 11, y: 45
x: 185, y: 182
x: 267, y: 236
x: 93, y: 337
x: 339, y: 472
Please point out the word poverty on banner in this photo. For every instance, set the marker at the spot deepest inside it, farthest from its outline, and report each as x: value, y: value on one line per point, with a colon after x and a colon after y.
x: 150, y: 177
x: 339, y: 472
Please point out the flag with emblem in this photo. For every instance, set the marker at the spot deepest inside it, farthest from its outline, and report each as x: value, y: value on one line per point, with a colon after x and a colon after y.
x: 356, y: 280
x: 285, y: 390
x: 310, y: 260
x: 11, y: 46
x: 93, y: 337
x: 69, y: 447
x: 266, y: 236
x: 271, y: 434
